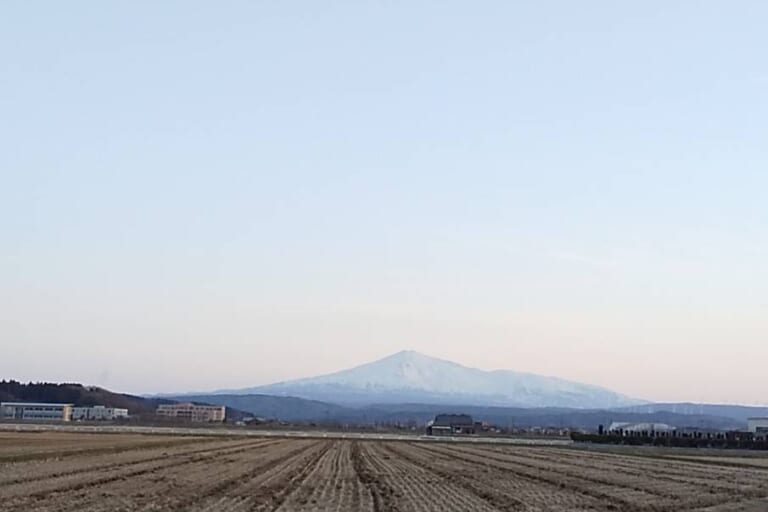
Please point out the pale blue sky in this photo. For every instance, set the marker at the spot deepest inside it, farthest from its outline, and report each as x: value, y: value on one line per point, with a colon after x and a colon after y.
x: 200, y: 195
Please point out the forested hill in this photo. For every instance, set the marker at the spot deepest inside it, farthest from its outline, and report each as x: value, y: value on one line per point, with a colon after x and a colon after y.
x: 77, y: 394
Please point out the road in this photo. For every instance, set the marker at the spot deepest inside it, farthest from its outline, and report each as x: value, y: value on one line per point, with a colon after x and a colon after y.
x: 202, y: 431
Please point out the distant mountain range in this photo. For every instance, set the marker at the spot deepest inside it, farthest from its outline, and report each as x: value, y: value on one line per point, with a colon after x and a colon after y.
x: 412, y: 387
x: 739, y: 413
x: 299, y: 410
x: 411, y: 377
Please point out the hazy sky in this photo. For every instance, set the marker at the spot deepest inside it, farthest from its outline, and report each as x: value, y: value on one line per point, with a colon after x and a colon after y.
x: 204, y: 195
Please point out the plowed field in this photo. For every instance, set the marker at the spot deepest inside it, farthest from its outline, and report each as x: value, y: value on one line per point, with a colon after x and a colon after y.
x: 99, y: 472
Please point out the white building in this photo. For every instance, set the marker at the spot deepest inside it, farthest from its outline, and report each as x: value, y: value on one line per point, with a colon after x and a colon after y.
x: 98, y: 413
x: 31, y: 411
x: 758, y: 425
x: 636, y: 428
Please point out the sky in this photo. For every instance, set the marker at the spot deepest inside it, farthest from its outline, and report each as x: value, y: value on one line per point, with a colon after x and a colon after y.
x: 207, y: 195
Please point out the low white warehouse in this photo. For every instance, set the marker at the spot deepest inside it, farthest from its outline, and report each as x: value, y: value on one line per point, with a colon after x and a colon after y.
x: 758, y: 425
x: 33, y: 411
x: 98, y: 413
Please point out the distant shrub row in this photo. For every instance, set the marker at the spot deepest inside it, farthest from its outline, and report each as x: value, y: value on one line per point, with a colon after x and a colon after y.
x: 679, y: 442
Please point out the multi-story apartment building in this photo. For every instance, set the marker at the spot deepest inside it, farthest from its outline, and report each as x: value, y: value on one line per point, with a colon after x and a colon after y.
x: 193, y: 412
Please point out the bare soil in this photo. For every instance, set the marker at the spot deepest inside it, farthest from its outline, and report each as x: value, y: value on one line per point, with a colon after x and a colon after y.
x: 43, y: 472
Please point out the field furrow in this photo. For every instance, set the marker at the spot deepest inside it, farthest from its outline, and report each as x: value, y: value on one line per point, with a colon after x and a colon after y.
x: 28, y: 473
x: 649, y: 487
x: 332, y: 485
x: 658, y: 474
x: 504, y: 489
x: 416, y: 489
x: 75, y: 489
x: 110, y: 473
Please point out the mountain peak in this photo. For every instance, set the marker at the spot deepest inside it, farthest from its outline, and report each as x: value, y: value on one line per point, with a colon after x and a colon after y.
x: 409, y: 354
x: 403, y: 354
x: 412, y: 356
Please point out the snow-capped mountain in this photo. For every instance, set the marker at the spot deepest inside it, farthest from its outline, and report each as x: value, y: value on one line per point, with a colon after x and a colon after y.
x: 416, y: 378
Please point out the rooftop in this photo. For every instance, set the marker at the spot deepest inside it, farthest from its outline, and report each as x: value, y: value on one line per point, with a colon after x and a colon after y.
x: 189, y: 404
x: 452, y: 419
x: 32, y: 404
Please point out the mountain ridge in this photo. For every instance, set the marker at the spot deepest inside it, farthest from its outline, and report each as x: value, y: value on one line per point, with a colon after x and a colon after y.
x: 409, y: 376
x: 79, y: 395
